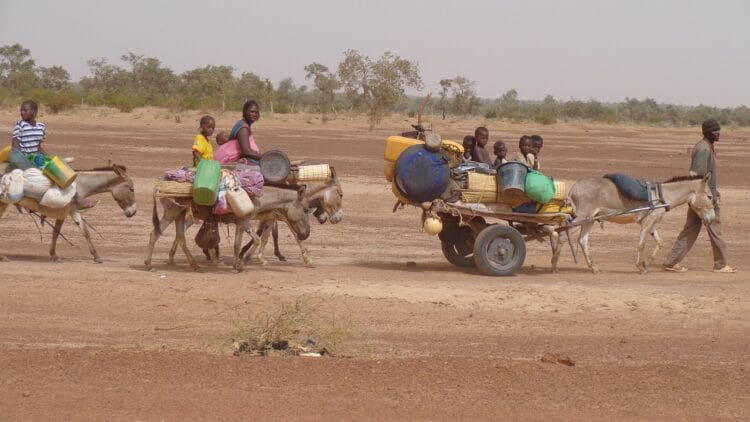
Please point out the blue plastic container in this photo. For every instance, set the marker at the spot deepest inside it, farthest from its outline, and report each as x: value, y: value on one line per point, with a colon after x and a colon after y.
x: 421, y: 175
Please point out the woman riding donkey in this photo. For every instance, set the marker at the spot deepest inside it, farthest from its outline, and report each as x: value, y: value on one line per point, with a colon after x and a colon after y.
x: 241, y: 146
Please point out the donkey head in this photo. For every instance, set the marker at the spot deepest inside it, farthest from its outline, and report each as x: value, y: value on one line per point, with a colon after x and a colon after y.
x: 702, y: 200
x: 328, y: 201
x: 123, y: 191
x: 296, y: 215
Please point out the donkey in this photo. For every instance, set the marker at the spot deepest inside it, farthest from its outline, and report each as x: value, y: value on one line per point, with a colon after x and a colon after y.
x: 113, y: 178
x: 325, y: 198
x: 275, y: 203
x: 599, y: 200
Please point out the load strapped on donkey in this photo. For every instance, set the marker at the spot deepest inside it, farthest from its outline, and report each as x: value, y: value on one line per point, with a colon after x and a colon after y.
x: 458, y: 198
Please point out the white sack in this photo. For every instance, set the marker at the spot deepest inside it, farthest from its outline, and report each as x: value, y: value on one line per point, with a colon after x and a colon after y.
x: 11, y: 186
x: 35, y: 183
x: 58, y: 198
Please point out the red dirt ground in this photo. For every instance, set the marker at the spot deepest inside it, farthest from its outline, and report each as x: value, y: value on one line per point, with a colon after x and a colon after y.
x: 113, y: 341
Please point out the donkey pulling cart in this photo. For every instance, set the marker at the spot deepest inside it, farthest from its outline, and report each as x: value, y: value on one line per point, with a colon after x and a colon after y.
x: 484, y: 218
x: 471, y: 211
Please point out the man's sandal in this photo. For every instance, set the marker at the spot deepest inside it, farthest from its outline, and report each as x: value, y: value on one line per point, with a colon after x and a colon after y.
x: 726, y: 269
x: 676, y: 268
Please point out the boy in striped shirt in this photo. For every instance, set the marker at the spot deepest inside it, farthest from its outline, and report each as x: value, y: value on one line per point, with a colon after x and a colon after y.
x: 28, y: 134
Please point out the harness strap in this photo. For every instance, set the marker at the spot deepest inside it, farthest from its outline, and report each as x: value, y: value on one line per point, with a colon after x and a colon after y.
x: 656, y: 196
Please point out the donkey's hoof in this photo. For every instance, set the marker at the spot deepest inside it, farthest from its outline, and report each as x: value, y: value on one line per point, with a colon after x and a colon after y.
x: 170, y: 261
x: 4, y: 258
x: 98, y: 260
x: 54, y: 258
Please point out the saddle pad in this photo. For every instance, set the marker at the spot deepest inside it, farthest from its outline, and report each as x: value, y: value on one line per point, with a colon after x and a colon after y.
x: 632, y: 188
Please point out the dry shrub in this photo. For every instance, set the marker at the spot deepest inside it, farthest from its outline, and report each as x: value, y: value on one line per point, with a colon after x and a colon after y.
x: 303, y: 325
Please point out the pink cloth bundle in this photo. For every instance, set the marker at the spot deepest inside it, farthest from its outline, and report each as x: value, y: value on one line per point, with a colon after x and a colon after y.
x: 251, y: 181
x: 180, y: 175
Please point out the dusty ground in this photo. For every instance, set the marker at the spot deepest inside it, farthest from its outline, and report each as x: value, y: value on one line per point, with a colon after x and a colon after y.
x: 112, y: 341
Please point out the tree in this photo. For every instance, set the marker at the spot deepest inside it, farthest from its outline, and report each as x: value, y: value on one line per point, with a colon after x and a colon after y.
x: 445, y: 84
x: 465, y: 100
x: 289, y: 96
x: 508, y: 106
x: 377, y: 85
x: 210, y: 84
x: 546, y: 112
x: 17, y: 69
x: 268, y: 94
x: 148, y: 79
x: 250, y: 86
x: 54, y: 78
x: 105, y: 77
x: 326, y: 84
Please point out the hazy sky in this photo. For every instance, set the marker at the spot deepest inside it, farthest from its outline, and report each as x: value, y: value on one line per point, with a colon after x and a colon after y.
x: 676, y: 51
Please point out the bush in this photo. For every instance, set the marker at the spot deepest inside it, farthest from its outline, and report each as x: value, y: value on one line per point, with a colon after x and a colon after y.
x: 305, y: 324
x: 123, y: 102
x: 545, y: 117
x: 7, y: 98
x: 491, y: 113
x: 54, y: 101
x: 59, y: 101
x: 282, y: 108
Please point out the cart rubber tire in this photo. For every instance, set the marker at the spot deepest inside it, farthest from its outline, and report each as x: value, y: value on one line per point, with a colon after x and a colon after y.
x: 457, y: 255
x: 499, y: 250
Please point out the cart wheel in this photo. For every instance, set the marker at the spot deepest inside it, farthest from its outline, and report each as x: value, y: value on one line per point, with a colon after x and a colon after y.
x: 458, y: 249
x: 499, y: 250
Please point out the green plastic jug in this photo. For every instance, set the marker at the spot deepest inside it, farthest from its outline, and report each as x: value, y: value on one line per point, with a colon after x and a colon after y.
x: 206, y: 183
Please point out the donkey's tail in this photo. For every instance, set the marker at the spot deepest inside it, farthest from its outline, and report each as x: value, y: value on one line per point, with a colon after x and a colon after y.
x: 155, y: 220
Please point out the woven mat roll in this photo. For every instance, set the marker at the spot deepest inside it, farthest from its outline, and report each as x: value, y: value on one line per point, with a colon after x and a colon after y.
x: 173, y: 189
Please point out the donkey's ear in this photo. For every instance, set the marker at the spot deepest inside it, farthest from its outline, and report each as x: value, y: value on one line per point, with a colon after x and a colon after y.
x: 301, y: 191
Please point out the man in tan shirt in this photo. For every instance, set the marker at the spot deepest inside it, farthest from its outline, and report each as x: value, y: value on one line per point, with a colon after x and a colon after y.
x: 703, y: 161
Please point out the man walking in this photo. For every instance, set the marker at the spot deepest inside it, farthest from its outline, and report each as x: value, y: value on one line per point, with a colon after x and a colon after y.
x: 703, y: 161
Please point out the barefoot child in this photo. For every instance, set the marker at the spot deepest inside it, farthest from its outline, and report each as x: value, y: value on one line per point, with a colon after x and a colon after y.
x: 479, y: 153
x: 202, y: 149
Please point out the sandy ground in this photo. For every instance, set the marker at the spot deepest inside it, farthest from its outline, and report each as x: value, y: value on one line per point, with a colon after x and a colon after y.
x: 80, y: 340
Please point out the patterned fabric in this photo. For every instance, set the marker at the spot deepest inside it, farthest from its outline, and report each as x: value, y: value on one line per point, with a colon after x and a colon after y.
x: 30, y: 136
x: 180, y: 175
x: 251, y: 181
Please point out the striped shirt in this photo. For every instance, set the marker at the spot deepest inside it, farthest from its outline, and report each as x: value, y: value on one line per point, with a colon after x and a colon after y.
x: 30, y: 137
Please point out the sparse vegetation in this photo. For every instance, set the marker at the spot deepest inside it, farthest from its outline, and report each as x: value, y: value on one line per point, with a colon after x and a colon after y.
x: 360, y: 85
x: 303, y: 325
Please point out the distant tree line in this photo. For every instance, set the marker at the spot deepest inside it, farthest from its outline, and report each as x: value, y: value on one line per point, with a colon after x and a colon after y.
x: 359, y: 84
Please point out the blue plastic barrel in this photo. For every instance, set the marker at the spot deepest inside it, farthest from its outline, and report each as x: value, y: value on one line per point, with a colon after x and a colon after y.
x: 421, y: 175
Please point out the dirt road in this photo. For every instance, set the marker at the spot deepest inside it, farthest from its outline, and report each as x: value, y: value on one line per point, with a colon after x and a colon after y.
x: 80, y: 340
